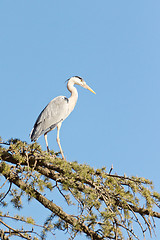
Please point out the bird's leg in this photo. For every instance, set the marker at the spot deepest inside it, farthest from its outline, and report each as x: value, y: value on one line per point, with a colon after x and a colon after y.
x: 45, y: 137
x: 58, y: 139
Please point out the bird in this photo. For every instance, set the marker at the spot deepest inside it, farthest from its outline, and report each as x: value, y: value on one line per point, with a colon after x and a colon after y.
x: 57, y: 110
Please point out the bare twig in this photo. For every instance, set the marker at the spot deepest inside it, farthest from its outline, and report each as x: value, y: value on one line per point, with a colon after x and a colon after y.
x: 62, y: 193
x: 17, y: 232
x: 6, y: 193
x: 4, y: 184
x: 111, y: 169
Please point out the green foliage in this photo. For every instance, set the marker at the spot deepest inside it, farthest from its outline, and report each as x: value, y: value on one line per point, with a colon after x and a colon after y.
x: 30, y: 220
x: 108, y: 206
x: 16, y: 198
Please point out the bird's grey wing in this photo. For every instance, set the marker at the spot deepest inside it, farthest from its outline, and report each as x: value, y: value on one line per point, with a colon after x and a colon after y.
x: 55, y: 112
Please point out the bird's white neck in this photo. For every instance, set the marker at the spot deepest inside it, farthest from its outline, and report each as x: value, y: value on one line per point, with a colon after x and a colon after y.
x: 74, y: 95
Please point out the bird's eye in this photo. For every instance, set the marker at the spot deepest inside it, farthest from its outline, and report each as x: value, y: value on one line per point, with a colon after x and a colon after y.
x: 82, y: 82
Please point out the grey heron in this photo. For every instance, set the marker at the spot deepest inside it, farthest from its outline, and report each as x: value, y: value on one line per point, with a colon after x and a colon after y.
x: 56, y: 111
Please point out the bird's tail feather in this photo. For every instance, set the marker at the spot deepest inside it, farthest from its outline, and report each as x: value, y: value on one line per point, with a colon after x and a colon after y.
x: 35, y: 134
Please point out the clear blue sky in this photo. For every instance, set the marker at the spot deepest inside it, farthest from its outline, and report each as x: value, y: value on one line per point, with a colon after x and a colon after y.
x: 115, y: 47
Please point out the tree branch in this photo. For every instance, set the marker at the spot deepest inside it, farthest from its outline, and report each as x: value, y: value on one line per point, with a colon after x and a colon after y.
x: 49, y: 204
x: 49, y: 171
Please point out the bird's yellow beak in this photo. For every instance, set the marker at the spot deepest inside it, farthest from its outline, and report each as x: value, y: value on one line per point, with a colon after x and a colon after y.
x: 90, y: 89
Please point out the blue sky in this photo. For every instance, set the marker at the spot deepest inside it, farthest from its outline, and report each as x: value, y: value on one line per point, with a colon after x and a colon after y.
x: 114, y: 46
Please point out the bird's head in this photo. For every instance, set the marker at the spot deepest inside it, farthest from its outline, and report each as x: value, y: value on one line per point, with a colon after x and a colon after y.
x: 79, y: 81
